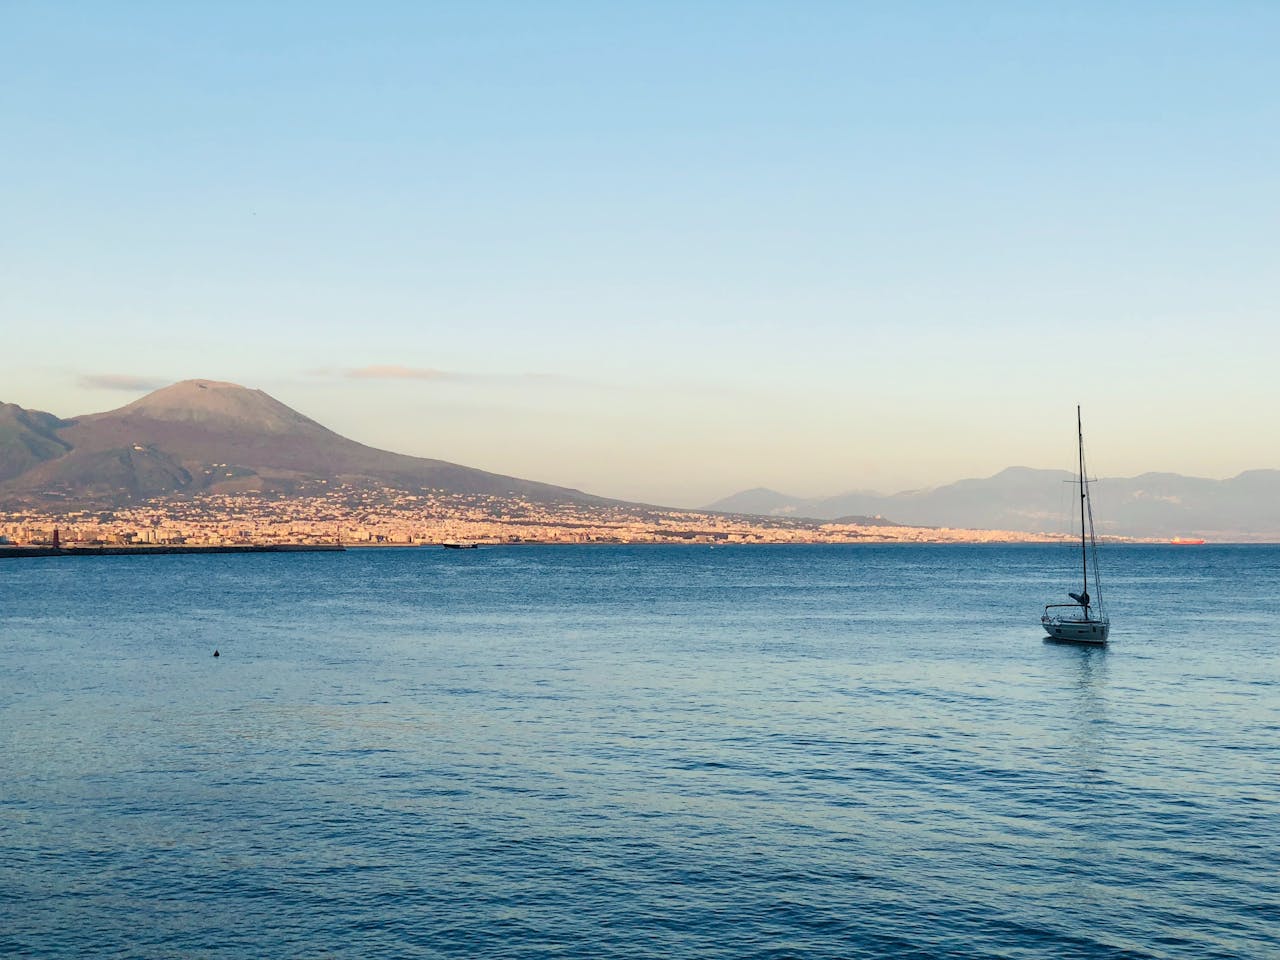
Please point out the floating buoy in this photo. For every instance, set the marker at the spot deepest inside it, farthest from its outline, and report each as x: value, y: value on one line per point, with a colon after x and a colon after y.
x: 216, y: 654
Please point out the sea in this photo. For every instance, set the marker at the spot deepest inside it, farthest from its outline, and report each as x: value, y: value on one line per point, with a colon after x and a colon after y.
x: 639, y: 752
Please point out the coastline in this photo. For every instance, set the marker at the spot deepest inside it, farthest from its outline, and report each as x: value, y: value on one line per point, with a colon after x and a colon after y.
x: 14, y: 551
x: 17, y: 552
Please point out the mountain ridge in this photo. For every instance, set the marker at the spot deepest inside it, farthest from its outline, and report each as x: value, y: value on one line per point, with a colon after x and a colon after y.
x: 213, y: 436
x: 216, y: 402
x: 1029, y: 499
x: 27, y: 438
x: 210, y: 435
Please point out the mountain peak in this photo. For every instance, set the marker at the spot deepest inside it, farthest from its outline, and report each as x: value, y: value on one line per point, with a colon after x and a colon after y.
x: 215, y: 403
x: 210, y: 435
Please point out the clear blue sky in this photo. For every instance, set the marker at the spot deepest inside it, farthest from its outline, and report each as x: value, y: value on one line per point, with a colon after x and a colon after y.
x: 661, y: 251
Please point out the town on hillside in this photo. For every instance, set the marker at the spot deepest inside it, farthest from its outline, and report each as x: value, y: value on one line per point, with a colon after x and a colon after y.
x: 361, y: 516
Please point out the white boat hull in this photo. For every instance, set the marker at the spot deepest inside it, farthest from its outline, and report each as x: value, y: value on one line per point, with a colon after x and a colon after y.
x: 1077, y: 631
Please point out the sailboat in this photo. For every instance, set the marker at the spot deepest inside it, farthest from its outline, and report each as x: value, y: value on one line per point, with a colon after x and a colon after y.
x: 1084, y: 620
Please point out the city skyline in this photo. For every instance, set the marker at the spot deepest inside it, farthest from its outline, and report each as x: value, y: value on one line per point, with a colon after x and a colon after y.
x: 666, y: 254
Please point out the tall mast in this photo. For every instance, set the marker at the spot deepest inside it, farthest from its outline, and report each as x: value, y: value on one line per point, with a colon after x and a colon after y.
x: 1084, y: 553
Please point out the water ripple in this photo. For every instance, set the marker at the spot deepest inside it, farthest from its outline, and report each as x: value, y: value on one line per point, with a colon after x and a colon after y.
x: 637, y: 752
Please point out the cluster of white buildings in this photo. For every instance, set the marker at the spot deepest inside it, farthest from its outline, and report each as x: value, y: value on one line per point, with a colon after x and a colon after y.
x: 362, y: 516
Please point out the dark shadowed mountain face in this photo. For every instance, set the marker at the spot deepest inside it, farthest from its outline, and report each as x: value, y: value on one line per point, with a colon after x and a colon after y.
x: 207, y: 435
x: 28, y: 438
x: 1162, y: 505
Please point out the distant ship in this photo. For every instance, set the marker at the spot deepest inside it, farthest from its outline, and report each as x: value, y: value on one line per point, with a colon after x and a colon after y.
x: 458, y: 545
x: 1085, y: 620
x: 1187, y: 541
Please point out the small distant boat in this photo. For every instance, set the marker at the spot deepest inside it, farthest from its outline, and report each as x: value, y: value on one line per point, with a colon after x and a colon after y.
x: 1084, y: 620
x: 1186, y: 541
x: 458, y: 545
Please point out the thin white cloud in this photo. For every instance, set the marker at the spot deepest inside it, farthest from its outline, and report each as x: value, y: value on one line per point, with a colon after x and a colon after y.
x: 391, y: 371
x: 121, y: 381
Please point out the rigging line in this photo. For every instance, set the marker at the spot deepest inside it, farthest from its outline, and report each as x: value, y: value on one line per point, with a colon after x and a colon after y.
x: 1093, y: 540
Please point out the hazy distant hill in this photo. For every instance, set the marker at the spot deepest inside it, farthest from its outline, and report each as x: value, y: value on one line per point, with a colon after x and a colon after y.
x: 1246, y: 507
x: 207, y: 435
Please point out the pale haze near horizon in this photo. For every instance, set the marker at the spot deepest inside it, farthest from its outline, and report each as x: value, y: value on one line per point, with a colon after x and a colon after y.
x: 661, y: 252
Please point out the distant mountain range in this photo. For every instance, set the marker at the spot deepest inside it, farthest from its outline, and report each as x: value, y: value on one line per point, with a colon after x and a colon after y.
x: 205, y: 435
x: 1165, y: 505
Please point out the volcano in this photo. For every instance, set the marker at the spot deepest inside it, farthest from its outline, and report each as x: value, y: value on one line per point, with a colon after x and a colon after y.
x: 208, y: 435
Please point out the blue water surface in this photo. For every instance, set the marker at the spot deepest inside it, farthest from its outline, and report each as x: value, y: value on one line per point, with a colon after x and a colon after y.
x: 617, y: 752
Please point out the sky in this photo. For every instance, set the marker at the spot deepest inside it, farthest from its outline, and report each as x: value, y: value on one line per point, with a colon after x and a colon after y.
x: 661, y: 251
